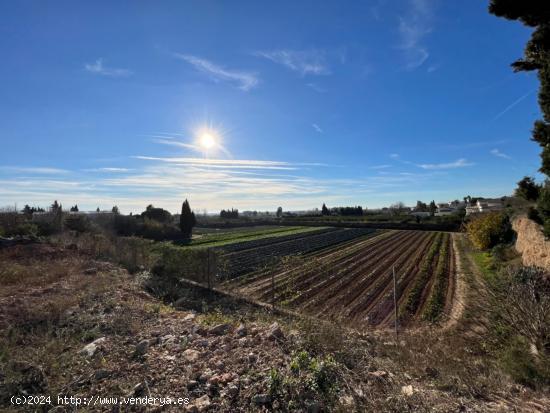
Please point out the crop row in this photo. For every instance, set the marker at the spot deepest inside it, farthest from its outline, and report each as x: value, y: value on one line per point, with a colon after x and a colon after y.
x: 436, y: 303
x: 244, y: 245
x: 415, y: 294
x: 250, y: 259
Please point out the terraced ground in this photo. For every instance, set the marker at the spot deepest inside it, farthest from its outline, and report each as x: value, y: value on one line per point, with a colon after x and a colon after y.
x: 352, y: 282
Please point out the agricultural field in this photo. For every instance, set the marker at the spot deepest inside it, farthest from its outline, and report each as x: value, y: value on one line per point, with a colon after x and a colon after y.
x: 210, y: 237
x: 352, y: 281
x: 240, y: 258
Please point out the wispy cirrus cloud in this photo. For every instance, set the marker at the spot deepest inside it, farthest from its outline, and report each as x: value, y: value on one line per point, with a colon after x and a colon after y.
x: 413, y: 28
x: 305, y: 62
x: 33, y: 170
x: 317, y: 128
x: 242, y: 79
x: 499, y: 154
x: 459, y: 163
x: 98, y: 68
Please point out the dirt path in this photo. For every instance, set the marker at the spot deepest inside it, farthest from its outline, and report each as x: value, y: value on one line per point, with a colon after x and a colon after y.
x: 460, y: 286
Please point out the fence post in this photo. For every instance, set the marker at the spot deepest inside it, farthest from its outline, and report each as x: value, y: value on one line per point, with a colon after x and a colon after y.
x: 208, y: 267
x: 395, y: 301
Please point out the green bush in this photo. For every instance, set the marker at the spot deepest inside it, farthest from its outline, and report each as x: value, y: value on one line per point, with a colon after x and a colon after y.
x: 487, y: 230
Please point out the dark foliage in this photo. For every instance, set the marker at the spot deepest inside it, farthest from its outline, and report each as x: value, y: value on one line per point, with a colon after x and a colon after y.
x: 157, y: 214
x: 528, y: 189
x: 187, y: 220
x: 230, y: 213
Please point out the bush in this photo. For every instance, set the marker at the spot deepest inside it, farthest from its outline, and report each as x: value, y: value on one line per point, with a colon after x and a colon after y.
x: 78, y: 223
x: 520, y: 309
x: 488, y: 230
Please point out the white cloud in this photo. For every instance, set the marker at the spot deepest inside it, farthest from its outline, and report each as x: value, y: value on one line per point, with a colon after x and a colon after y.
x: 305, y: 62
x: 380, y: 167
x: 99, y: 69
x: 459, y: 163
x: 413, y: 28
x: 33, y: 170
x: 244, y: 80
x: 394, y: 155
x: 317, y: 128
x: 496, y: 152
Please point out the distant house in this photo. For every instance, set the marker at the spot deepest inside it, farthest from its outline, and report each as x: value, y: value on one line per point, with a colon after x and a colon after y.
x: 484, y: 205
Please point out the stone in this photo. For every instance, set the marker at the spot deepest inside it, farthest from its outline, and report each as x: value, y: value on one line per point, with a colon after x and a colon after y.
x: 407, y: 390
x: 101, y: 374
x: 202, y: 343
x: 91, y: 348
x: 189, y: 317
x: 141, y: 348
x: 192, y: 384
x: 202, y: 403
x: 90, y: 271
x: 139, y: 390
x: 180, y: 303
x: 241, y: 331
x: 167, y: 339
x: 191, y: 355
x: 220, y: 329
x: 232, y: 391
x: 252, y: 358
x: 275, y: 332
x: 261, y: 398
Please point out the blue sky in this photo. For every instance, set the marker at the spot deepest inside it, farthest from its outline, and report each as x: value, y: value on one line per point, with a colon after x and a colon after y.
x: 343, y: 102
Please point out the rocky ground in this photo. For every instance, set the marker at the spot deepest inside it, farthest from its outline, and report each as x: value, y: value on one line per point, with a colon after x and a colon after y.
x: 76, y: 326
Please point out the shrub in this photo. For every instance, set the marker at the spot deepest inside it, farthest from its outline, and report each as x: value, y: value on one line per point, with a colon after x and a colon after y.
x: 78, y: 223
x: 488, y: 230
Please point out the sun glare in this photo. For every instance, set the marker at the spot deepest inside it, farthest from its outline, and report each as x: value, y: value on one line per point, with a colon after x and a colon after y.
x: 207, y: 141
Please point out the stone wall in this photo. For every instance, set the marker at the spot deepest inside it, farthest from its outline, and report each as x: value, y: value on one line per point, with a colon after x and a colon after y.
x: 531, y: 244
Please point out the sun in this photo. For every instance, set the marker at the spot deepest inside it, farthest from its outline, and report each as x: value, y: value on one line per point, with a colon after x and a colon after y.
x: 207, y: 140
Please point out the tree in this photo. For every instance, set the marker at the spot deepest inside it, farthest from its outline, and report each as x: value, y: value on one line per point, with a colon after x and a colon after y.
x: 421, y: 206
x: 74, y: 208
x: 157, y: 214
x: 230, y: 213
x: 97, y: 210
x: 279, y: 212
x: 536, y: 56
x: 27, y: 210
x: 324, y: 210
x: 528, y: 189
x: 187, y: 220
x: 115, y: 210
x: 432, y: 208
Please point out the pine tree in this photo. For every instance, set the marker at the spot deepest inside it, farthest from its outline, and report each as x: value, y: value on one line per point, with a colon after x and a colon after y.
x: 324, y: 210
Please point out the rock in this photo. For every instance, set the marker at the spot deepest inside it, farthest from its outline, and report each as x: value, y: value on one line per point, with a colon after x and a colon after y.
x: 101, y: 374
x: 241, y: 331
x: 407, y: 390
x: 346, y: 400
x: 141, y: 348
x: 275, y: 332
x: 202, y: 343
x: 204, y: 377
x: 222, y: 378
x: 198, y: 329
x: 189, y: 317
x: 379, y: 374
x: 192, y: 384
x: 90, y: 349
x: 243, y: 342
x: 167, y: 339
x: 191, y: 355
x: 219, y: 329
x: 202, y: 403
x: 90, y: 271
x: 431, y: 372
x: 252, y: 358
x: 232, y: 391
x: 180, y: 303
x: 261, y: 398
